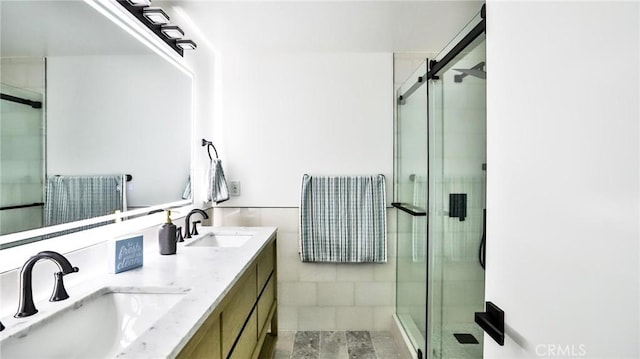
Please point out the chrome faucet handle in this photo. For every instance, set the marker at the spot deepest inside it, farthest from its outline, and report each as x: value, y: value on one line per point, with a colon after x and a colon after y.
x: 59, y: 292
x: 195, y: 228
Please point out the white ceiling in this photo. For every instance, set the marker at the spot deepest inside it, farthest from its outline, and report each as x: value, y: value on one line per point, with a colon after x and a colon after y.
x: 333, y: 26
x: 48, y: 28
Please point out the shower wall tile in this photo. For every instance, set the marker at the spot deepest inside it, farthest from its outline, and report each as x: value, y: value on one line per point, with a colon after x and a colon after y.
x: 287, y: 317
x: 356, y: 272
x: 244, y: 217
x: 317, y: 272
x: 374, y: 293
x: 457, y: 314
x: 392, y: 223
x: 387, y: 272
x: 383, y: 317
x: 288, y: 268
x: 286, y: 218
x: 288, y: 245
x: 316, y: 318
x: 454, y: 292
x: 336, y: 294
x: 354, y: 318
x: 299, y: 293
x: 474, y: 292
x: 322, y: 296
x: 462, y: 271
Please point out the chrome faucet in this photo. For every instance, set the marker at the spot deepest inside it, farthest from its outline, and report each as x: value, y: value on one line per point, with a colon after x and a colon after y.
x: 187, y: 221
x: 26, y: 307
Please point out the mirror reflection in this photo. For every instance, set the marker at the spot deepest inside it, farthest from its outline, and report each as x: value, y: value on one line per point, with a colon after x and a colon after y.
x: 88, y: 118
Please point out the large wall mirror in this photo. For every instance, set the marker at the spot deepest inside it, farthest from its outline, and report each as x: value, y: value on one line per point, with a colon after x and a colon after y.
x: 87, y: 111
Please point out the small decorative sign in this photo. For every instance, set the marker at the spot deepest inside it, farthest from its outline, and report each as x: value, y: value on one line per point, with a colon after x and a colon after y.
x: 127, y: 254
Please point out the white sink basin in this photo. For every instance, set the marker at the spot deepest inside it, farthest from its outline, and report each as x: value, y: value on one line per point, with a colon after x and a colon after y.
x: 221, y: 239
x: 100, y: 325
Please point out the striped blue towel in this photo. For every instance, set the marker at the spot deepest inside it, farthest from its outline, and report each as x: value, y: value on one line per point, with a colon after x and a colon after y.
x: 343, y: 219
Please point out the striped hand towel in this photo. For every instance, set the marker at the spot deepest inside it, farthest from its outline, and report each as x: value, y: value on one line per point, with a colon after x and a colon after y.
x: 217, y: 190
x: 343, y: 219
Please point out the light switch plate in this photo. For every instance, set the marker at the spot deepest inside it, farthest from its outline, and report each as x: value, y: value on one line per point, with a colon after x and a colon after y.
x: 234, y: 188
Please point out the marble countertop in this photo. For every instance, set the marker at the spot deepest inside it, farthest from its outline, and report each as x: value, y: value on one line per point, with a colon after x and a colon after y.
x: 208, y: 273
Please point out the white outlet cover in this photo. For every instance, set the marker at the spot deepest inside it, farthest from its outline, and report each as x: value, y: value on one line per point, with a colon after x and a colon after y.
x: 234, y: 188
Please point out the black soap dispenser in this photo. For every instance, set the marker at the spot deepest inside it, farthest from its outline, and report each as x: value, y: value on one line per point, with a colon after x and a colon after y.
x: 167, y: 236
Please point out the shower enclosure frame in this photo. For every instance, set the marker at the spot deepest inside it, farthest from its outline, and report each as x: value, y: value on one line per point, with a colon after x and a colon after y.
x: 434, y: 67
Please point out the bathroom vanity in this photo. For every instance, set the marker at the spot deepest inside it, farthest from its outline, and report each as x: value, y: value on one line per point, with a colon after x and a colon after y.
x: 215, y: 298
x: 238, y: 327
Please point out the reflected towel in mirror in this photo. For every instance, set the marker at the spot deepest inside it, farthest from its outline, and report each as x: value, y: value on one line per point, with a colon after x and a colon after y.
x: 186, y: 194
x: 73, y: 198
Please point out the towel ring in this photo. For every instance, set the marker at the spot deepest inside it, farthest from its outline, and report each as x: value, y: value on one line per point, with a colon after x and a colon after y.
x: 209, y: 145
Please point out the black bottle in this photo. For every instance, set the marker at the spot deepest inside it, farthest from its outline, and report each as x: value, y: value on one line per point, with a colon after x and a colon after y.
x: 167, y: 236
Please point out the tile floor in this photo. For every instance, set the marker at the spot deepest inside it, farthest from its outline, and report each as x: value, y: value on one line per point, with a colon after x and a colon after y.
x: 335, y: 345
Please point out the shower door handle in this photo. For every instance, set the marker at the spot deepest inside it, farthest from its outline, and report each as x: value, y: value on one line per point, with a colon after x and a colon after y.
x: 411, y: 209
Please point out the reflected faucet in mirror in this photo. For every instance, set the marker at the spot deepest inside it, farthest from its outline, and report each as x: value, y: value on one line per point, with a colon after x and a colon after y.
x: 27, y: 307
x: 187, y: 222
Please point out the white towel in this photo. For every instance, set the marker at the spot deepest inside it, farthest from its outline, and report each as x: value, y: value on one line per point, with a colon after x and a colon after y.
x: 218, y: 191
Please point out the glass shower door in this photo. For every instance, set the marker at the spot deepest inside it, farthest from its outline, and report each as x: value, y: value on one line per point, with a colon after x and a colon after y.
x: 440, y: 195
x: 457, y: 165
x: 411, y: 187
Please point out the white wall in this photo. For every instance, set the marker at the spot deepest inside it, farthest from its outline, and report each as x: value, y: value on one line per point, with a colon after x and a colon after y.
x: 286, y: 115
x: 120, y: 114
x: 563, y: 160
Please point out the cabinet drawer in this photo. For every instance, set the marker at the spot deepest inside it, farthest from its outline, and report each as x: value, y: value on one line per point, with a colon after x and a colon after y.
x: 205, y: 344
x: 237, y: 309
x: 265, y: 264
x: 264, y: 304
x: 248, y: 339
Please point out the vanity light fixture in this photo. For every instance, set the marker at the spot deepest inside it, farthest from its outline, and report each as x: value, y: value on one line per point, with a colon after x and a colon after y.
x: 157, y: 21
x: 172, y: 31
x: 140, y: 2
x: 186, y: 44
x: 155, y: 15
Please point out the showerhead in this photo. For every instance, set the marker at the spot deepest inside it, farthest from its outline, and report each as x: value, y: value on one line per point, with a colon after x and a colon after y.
x: 476, y: 71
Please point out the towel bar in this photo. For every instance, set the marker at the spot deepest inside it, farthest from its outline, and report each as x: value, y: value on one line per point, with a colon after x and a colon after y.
x: 492, y: 322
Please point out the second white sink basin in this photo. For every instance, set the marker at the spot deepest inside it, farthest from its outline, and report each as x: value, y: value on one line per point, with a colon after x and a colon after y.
x: 221, y: 240
x: 100, y: 325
